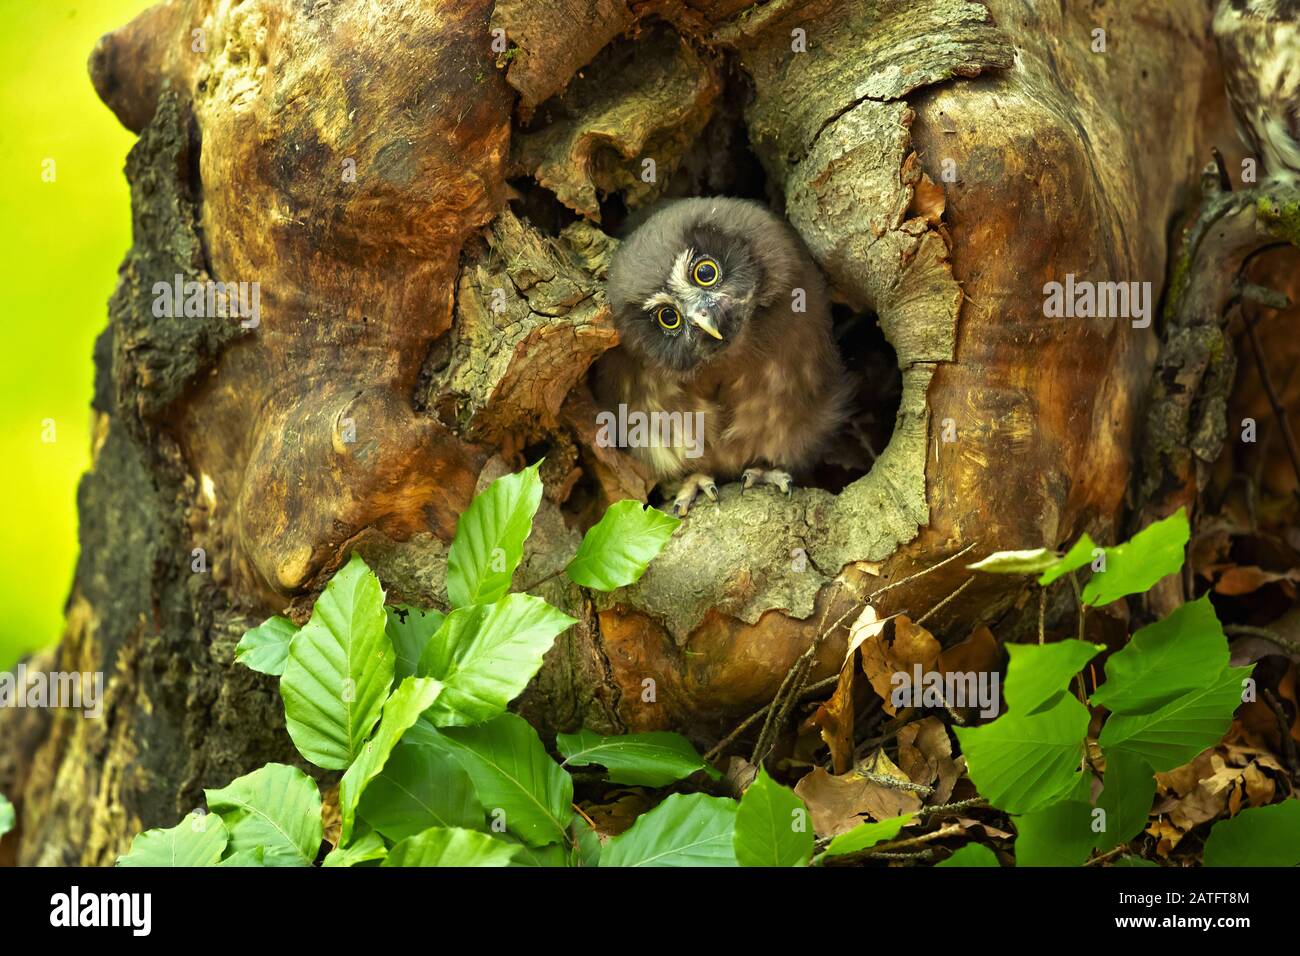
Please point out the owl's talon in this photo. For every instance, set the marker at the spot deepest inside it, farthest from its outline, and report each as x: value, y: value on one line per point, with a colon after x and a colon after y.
x: 780, y: 480
x: 690, y: 489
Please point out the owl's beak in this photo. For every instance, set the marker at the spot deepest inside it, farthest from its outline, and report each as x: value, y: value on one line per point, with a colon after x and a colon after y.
x: 704, y: 321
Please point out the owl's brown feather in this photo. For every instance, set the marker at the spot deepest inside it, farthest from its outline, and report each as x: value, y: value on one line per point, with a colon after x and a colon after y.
x: 774, y: 390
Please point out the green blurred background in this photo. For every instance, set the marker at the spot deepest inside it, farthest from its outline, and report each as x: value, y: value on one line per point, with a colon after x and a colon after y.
x: 60, y: 244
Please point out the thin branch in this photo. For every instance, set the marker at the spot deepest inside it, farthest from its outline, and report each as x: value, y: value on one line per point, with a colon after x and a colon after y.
x: 930, y: 613
x: 1279, y: 411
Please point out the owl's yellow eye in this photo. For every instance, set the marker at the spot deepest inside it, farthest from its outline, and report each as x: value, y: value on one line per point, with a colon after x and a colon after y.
x: 705, y: 273
x: 669, y: 317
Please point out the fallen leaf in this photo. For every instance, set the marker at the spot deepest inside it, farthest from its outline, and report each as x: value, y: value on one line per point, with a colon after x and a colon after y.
x: 740, y: 773
x: 979, y: 653
x: 883, y: 658
x: 1260, y: 787
x: 837, y: 804
x: 1168, y: 835
x: 868, y: 625
x: 925, y: 755
x: 1245, y: 579
x: 834, y: 718
x: 1209, y: 798
x: 989, y: 829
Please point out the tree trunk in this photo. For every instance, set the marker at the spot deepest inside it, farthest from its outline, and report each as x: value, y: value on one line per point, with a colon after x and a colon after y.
x: 426, y: 218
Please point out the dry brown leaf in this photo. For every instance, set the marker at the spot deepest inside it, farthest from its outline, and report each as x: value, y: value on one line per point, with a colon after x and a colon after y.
x: 1168, y: 835
x: 925, y: 755
x: 989, y: 829
x: 614, y: 816
x: 331, y: 816
x: 868, y: 625
x: 883, y: 658
x: 881, y: 801
x: 740, y: 773
x: 837, y: 804
x: 834, y: 718
x: 1209, y: 798
x: 1244, y: 579
x: 1260, y: 787
x: 979, y: 653
x: 1183, y: 780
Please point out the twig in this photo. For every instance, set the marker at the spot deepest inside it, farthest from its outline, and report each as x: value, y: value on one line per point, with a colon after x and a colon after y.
x: 953, y: 807
x: 892, y: 783
x: 947, y: 830
x: 1108, y: 855
x: 1246, y: 630
x: 930, y: 613
x: 1078, y: 599
x: 540, y: 581
x: 1284, y: 731
x: 794, y: 685
x: 917, y: 855
x: 922, y: 573
x: 1042, y: 615
x: 1279, y: 412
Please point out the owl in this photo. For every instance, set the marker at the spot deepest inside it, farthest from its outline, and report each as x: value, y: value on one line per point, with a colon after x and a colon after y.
x: 1259, y: 43
x: 726, y: 357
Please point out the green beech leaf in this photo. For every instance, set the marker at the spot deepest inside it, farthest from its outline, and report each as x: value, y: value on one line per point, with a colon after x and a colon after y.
x: 1165, y: 660
x: 515, y: 777
x: 653, y: 759
x: 277, y: 808
x: 772, y: 826
x: 490, y: 536
x: 619, y: 547
x: 339, y: 671
x: 1133, y: 567
x: 1128, y: 789
x: 265, y: 648
x: 972, y: 854
x: 866, y: 834
x: 252, y: 857
x: 1037, y: 672
x: 1262, y: 836
x: 1074, y: 559
x: 6, y: 815
x: 1175, y: 733
x: 198, y: 840
x: 451, y: 846
x: 553, y: 855
x: 1057, y: 835
x: 589, y: 845
x: 685, y: 830
x: 362, y: 850
x: 420, y: 786
x: 1133, y: 861
x: 1023, y: 762
x: 410, y: 628
x: 409, y: 701
x: 485, y: 655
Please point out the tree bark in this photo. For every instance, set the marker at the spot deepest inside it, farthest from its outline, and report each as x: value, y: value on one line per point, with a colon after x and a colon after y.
x: 943, y: 160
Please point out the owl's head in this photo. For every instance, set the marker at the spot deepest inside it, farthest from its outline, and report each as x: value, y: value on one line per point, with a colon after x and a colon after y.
x: 686, y: 285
